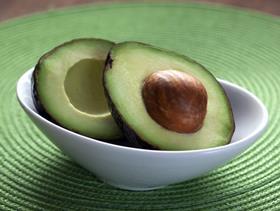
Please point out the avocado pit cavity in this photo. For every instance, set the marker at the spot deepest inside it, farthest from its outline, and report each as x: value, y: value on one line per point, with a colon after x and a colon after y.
x: 83, y: 87
x: 175, y: 100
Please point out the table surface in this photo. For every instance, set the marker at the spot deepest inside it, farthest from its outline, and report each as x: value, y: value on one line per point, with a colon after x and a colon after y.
x: 12, y: 8
x: 238, y: 46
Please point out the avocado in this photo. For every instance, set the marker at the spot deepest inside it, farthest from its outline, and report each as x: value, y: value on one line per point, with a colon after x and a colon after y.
x: 67, y: 88
x: 164, y: 100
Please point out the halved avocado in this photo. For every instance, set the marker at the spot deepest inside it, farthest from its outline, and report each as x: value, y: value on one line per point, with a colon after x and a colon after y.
x: 67, y: 88
x: 164, y: 100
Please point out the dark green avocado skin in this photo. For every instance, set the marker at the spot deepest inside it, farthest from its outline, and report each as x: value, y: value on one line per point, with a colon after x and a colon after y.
x: 35, y: 96
x: 34, y: 84
x: 131, y: 138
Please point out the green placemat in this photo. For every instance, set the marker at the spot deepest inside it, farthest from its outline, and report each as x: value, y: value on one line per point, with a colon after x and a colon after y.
x: 239, y: 46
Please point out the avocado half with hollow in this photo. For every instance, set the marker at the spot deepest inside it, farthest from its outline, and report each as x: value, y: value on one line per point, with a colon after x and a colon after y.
x: 164, y: 100
x: 67, y: 88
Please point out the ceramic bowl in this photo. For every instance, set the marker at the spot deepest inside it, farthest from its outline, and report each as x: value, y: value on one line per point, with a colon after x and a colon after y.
x: 140, y: 169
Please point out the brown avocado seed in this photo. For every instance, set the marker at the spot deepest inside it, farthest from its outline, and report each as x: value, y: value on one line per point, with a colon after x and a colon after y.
x: 175, y: 100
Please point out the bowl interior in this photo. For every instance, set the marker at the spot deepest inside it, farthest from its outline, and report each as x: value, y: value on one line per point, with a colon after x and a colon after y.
x: 250, y: 115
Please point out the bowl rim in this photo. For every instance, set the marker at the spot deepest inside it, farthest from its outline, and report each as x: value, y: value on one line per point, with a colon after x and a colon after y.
x: 257, y: 131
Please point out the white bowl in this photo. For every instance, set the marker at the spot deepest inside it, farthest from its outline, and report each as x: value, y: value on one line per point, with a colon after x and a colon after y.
x: 140, y: 169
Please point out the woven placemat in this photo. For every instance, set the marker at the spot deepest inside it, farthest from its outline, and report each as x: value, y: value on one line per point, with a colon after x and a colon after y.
x: 239, y: 46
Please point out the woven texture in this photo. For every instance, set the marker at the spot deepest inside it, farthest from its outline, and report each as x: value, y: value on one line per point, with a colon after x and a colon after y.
x: 240, y: 46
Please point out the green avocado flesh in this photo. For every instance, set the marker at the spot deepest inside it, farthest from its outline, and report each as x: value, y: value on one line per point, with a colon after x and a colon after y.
x: 68, y: 87
x: 130, y: 64
x: 84, y: 94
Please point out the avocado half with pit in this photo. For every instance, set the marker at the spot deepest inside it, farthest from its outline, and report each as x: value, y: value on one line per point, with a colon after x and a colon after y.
x: 164, y: 100
x: 67, y: 88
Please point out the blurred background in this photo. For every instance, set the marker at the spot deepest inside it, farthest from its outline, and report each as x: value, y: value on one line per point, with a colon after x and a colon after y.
x: 14, y: 8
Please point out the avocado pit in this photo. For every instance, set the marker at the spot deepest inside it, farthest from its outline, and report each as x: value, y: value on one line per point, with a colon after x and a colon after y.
x: 175, y: 100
